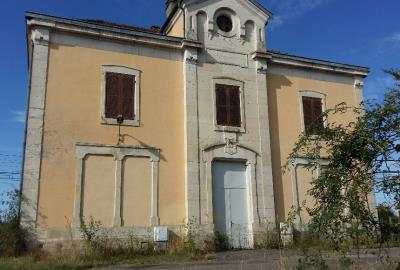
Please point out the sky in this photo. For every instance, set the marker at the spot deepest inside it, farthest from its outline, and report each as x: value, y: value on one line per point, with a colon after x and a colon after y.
x: 361, y: 32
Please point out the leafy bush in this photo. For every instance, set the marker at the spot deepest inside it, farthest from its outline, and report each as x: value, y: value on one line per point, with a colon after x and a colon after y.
x: 101, y: 242
x: 388, y: 223
x: 13, y: 238
x: 363, y: 157
x: 221, y: 241
x: 195, y: 240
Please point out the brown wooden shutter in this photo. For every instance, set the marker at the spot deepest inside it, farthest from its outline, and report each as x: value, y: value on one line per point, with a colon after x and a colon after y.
x: 228, y: 105
x: 128, y: 97
x: 221, y: 101
x: 234, y: 104
x: 120, y: 93
x: 112, y: 95
x: 317, y: 111
x: 312, y: 111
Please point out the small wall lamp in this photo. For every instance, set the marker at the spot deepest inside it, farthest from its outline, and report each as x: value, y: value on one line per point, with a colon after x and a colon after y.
x: 120, y: 121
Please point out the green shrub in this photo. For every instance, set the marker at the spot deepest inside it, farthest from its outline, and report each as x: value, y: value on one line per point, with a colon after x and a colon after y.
x: 193, y: 238
x: 269, y: 240
x: 97, y: 241
x: 388, y: 224
x: 13, y: 238
x: 221, y: 241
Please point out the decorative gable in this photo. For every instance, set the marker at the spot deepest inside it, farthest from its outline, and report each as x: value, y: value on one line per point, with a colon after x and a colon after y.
x: 236, y: 25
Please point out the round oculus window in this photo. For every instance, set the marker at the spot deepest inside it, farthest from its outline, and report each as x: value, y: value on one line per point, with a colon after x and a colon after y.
x: 224, y: 23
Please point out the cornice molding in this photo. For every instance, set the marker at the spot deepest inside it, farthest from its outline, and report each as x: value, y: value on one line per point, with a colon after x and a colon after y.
x: 309, y: 63
x: 77, y: 27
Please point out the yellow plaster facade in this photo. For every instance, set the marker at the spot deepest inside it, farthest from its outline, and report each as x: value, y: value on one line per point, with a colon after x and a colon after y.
x: 285, y: 120
x: 73, y: 116
x: 177, y: 28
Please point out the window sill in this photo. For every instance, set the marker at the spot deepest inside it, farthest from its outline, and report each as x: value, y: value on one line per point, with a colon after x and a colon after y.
x: 230, y: 129
x: 111, y: 121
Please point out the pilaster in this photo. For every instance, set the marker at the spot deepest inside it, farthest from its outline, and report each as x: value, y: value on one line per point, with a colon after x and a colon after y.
x: 155, y: 220
x: 118, y: 191
x: 79, y: 161
x: 266, y: 202
x: 192, y: 172
x: 34, y: 126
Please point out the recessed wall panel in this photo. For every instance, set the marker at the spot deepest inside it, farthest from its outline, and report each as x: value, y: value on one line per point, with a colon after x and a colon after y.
x: 136, y: 194
x: 99, y: 189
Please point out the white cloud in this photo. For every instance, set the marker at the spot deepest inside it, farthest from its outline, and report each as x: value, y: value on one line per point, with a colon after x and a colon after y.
x: 393, y: 38
x: 389, y: 44
x: 18, y: 116
x: 285, y: 10
x: 276, y: 21
x: 393, y: 41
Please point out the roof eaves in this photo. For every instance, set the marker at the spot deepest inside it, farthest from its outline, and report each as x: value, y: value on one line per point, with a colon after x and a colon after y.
x: 257, y: 4
x: 121, y: 26
x: 94, y: 26
x: 314, y: 61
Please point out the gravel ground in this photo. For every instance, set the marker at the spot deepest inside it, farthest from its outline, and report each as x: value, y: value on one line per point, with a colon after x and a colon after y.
x: 265, y: 260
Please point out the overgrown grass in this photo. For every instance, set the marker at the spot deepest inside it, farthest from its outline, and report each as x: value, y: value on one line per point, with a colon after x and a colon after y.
x: 102, y: 247
x: 30, y: 263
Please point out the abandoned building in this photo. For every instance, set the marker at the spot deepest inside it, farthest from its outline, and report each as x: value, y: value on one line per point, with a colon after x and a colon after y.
x: 153, y: 128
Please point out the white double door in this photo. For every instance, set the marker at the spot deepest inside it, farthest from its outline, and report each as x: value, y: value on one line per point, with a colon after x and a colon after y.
x: 231, y: 203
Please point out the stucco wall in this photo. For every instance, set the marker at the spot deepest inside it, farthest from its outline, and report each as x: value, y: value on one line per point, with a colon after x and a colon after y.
x: 72, y: 115
x: 177, y: 29
x: 98, y: 198
x: 284, y: 85
x: 304, y: 179
x: 136, y: 196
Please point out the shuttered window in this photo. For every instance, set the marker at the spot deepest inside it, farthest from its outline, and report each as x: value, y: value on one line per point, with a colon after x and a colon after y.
x: 120, y: 96
x: 228, y: 105
x: 312, y: 111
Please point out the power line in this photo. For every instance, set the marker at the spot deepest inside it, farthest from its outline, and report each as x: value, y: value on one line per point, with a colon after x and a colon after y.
x: 10, y: 155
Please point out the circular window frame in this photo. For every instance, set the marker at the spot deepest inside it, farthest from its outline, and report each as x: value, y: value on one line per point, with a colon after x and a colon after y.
x: 229, y: 14
x: 228, y: 21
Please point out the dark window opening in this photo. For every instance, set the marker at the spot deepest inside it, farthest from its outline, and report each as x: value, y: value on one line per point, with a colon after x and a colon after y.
x: 228, y: 105
x: 313, y: 118
x: 120, y: 96
x: 224, y: 23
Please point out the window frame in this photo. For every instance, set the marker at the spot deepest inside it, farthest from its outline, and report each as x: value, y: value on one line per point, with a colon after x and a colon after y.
x: 230, y: 14
x: 228, y: 21
x: 312, y: 94
x: 233, y: 82
x: 121, y: 70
